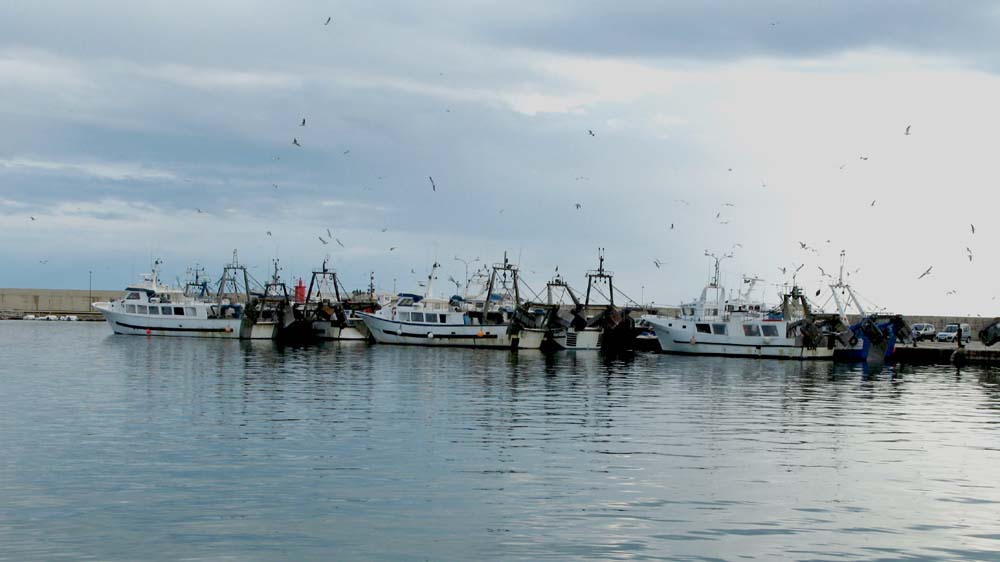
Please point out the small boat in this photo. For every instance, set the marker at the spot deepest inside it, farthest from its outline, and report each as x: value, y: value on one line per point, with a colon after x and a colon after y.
x: 873, y: 337
x: 271, y: 315
x: 713, y: 325
x: 329, y: 309
x: 591, y: 326
x: 152, y: 309
x: 498, y: 322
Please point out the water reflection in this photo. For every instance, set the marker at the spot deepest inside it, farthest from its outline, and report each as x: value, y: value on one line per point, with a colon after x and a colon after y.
x: 131, y: 447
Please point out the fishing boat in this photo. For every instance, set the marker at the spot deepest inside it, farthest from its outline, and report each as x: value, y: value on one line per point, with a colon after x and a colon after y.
x: 741, y: 327
x: 329, y: 309
x: 589, y: 325
x: 499, y: 321
x: 271, y: 314
x: 873, y: 336
x: 150, y: 308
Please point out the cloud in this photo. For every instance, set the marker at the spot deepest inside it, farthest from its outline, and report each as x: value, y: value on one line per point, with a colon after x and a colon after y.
x: 117, y: 171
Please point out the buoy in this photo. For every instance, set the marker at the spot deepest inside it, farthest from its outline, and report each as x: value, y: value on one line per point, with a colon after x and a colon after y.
x: 480, y: 334
x: 430, y: 335
x: 149, y: 332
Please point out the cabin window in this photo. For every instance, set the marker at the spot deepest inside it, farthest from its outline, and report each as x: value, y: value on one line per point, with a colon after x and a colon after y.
x: 178, y: 311
x: 711, y: 312
x: 416, y: 317
x: 719, y: 329
x: 769, y: 330
x: 132, y: 297
x: 703, y: 329
x: 430, y: 318
x: 404, y: 316
x: 752, y: 330
x: 444, y: 318
x: 166, y: 310
x: 154, y: 310
x: 130, y: 309
x: 140, y: 308
x: 190, y: 311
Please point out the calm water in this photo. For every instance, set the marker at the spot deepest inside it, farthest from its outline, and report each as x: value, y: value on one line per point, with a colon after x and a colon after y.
x: 132, y: 448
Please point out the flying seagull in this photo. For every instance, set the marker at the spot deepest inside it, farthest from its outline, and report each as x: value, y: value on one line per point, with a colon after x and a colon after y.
x: 303, y: 123
x: 43, y: 262
x: 578, y: 205
x: 199, y: 210
x: 591, y: 133
x: 433, y: 187
x: 339, y: 242
x: 295, y: 141
x: 384, y: 229
x: 32, y: 218
x: 327, y: 22
x: 392, y: 248
x: 973, y: 227
x: 328, y: 233
x: 926, y: 273
x: 969, y: 251
x: 325, y: 242
x: 822, y: 272
x: 907, y: 133
x: 275, y: 185
x: 873, y: 203
x: 864, y: 158
x: 268, y: 232
x: 658, y: 263
x: 671, y: 226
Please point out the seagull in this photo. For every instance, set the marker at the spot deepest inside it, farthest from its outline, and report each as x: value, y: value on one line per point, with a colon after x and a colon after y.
x: 873, y: 203
x: 951, y: 292
x: 275, y: 185
x: 926, y: 273
x: 803, y: 245
x: 658, y: 263
x: 728, y: 205
x: 501, y: 211
x: 384, y: 229
x: 821, y: 271
x: 433, y: 187
x: 717, y: 215
x: 682, y: 201
x: 339, y: 242
x: 591, y: 133
x: 763, y: 183
x: 842, y: 166
x: 864, y: 157
x: 392, y: 248
x: 295, y: 141
x: 723, y: 222
x: 303, y: 123
x: 32, y: 218
x: 327, y: 22
x: 671, y: 226
x: 199, y: 210
x: 346, y: 152
x: 413, y: 272
x: 325, y: 242
x: 43, y: 262
x: 268, y: 232
x: 973, y: 227
x: 969, y: 250
x: 907, y: 133
x: 328, y: 233
x: 730, y: 169
x: 783, y: 270
x: 578, y: 205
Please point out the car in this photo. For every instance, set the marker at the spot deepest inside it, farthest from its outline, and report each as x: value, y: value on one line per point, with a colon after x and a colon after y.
x: 922, y: 332
x: 950, y: 332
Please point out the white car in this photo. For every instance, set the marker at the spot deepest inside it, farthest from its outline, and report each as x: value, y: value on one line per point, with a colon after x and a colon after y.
x: 950, y: 332
x: 923, y: 332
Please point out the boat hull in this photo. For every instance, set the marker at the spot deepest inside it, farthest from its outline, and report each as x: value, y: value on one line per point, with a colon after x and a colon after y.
x: 578, y: 340
x: 353, y: 331
x: 450, y: 335
x: 685, y: 342
x: 143, y: 325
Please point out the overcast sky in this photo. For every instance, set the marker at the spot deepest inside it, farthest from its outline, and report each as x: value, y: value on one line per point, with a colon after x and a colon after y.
x: 133, y: 129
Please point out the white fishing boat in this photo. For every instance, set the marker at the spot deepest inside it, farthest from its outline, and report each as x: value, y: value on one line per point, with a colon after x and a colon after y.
x: 330, y: 310
x: 152, y: 309
x: 713, y: 325
x: 591, y: 326
x: 423, y: 320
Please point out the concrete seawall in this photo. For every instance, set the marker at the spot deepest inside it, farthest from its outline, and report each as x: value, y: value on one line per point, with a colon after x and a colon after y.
x: 15, y: 303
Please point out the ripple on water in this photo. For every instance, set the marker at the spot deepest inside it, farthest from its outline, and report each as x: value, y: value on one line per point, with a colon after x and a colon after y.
x: 125, y: 448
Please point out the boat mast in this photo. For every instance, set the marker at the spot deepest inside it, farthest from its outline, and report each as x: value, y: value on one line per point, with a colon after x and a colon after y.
x: 430, y: 279
x: 598, y: 274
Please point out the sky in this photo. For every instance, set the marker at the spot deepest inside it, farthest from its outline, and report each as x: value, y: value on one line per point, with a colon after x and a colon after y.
x: 659, y: 131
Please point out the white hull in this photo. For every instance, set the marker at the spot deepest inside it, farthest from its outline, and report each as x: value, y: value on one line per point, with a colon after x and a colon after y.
x: 354, y: 331
x: 450, y: 335
x: 679, y: 336
x: 144, y: 325
x: 584, y: 339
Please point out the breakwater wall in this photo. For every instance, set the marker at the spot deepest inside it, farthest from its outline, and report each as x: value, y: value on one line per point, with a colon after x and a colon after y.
x: 15, y: 303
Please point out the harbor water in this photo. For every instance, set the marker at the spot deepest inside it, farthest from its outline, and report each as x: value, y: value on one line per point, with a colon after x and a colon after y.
x: 139, y: 448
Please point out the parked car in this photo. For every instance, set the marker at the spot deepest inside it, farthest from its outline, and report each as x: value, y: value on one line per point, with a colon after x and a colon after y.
x: 922, y: 332
x: 950, y: 332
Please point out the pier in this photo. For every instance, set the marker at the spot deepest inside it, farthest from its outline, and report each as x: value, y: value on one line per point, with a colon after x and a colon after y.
x: 16, y: 303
